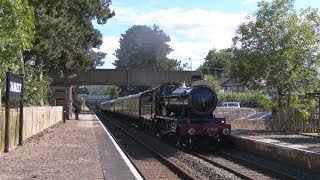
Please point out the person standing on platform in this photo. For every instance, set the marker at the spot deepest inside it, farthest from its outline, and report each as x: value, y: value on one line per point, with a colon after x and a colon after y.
x: 77, y: 108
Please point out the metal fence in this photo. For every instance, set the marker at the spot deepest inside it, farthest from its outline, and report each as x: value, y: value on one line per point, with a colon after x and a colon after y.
x: 284, y: 120
x: 36, y: 119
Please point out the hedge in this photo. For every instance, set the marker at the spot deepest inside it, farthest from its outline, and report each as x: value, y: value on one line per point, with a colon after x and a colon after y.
x: 250, y: 100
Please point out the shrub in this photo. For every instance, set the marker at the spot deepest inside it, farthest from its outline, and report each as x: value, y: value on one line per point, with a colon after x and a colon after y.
x: 250, y: 100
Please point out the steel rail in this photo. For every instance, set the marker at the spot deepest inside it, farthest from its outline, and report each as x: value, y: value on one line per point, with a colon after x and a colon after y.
x: 259, y: 166
x: 243, y: 176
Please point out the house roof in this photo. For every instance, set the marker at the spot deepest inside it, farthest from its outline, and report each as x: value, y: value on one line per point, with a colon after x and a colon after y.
x: 230, y: 82
x: 223, y: 80
x: 236, y: 82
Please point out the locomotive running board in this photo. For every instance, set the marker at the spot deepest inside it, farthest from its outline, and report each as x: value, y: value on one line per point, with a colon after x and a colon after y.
x: 165, y: 117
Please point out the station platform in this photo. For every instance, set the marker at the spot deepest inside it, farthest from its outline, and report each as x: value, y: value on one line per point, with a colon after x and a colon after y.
x: 299, y: 149
x: 77, y: 149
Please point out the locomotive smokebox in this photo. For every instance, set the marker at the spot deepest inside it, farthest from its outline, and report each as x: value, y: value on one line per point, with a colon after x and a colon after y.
x: 202, y: 100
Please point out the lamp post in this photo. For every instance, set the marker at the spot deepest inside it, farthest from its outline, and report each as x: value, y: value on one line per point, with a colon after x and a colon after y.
x: 65, y: 103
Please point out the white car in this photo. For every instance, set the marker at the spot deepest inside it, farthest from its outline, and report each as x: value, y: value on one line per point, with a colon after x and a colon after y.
x: 225, y: 107
x: 229, y: 105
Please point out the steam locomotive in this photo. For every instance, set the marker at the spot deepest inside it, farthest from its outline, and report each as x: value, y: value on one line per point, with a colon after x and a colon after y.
x: 177, y: 112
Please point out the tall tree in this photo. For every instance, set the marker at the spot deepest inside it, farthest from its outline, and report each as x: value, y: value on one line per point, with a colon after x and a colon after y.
x: 218, y: 62
x: 16, y: 32
x: 113, y: 91
x: 16, y: 35
x: 65, y: 35
x: 214, y: 82
x: 144, y: 47
x: 281, y: 46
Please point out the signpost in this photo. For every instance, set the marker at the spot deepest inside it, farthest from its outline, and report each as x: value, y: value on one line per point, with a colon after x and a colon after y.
x: 14, y: 90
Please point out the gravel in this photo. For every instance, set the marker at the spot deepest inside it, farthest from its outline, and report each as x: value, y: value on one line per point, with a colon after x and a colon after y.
x: 63, y: 151
x: 241, y: 168
x: 201, y: 169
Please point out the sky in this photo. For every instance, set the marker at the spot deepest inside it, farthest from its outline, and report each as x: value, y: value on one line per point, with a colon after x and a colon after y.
x: 194, y: 26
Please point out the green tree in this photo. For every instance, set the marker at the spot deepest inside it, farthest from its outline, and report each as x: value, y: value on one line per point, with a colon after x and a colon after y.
x: 144, y: 47
x: 65, y: 35
x: 36, y: 90
x: 280, y: 45
x: 16, y: 32
x: 218, y: 62
x: 113, y: 91
x: 16, y: 35
x: 170, y: 64
x: 213, y: 81
x: 97, y: 89
x: 81, y: 90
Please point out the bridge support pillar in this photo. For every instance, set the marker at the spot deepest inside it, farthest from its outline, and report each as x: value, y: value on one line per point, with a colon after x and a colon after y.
x: 57, y: 98
x: 69, y: 102
x: 53, y: 96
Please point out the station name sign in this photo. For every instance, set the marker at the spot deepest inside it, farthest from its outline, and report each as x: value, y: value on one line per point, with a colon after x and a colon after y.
x: 14, y: 90
x: 15, y: 86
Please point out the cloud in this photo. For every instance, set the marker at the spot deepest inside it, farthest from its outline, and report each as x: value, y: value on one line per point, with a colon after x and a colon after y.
x: 193, y: 32
x: 109, y: 46
x: 183, y: 50
x: 178, y: 20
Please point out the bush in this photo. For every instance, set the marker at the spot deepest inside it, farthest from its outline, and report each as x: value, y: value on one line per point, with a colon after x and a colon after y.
x: 213, y: 81
x: 303, y: 107
x: 250, y: 100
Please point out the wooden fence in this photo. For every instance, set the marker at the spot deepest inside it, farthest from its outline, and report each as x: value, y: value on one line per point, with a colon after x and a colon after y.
x: 35, y: 120
x: 285, y: 120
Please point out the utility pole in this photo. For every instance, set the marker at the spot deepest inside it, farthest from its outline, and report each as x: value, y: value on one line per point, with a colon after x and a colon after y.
x: 191, y: 63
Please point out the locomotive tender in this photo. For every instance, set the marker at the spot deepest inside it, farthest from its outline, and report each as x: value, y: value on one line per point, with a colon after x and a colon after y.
x: 185, y: 114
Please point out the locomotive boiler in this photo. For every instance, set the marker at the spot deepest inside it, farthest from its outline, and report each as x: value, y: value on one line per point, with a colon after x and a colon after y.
x: 197, y: 101
x: 183, y: 114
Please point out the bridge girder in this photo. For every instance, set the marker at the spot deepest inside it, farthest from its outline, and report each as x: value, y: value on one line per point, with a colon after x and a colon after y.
x: 125, y: 77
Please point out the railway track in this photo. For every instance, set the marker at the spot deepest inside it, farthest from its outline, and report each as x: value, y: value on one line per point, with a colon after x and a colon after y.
x: 280, y: 174
x: 239, y: 174
x: 237, y: 164
x: 208, y: 158
x: 216, y: 161
x: 150, y: 170
x: 221, y: 160
x: 281, y: 169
